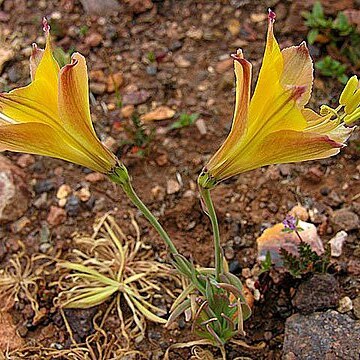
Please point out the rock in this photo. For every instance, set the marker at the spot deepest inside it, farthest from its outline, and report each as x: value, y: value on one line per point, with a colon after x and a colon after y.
x: 136, y: 97
x: 44, y: 186
x: 151, y: 70
x: 111, y: 144
x: 41, y: 201
x: 172, y: 187
x: 127, y: 111
x: 162, y: 160
x: 95, y: 177
x: 93, y: 40
x: 103, y: 7
x: 158, y: 193
x: 274, y: 238
x: 72, y: 206
x: 14, y: 73
x: 234, y: 27
x: 114, y: 82
x: 258, y: 17
x: 56, y: 216
x: 9, y: 339
x: 140, y: 6
x: 333, y: 199
x: 328, y: 335
x: 194, y: 33
x: 319, y: 292
x: 25, y: 160
x: 315, y: 175
x: 5, y: 56
x: 160, y: 113
x: 224, y: 65
x: 181, y: 62
x: 97, y: 88
x: 63, y: 192
x: 201, y: 126
x: 336, y: 243
x: 18, y: 225
x: 345, y: 219
x: 14, y: 194
x: 345, y: 305
x: 299, y: 212
x: 356, y: 307
x: 83, y: 194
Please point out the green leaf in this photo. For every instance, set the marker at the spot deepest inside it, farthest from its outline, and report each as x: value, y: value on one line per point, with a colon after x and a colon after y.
x: 317, y: 10
x: 312, y: 35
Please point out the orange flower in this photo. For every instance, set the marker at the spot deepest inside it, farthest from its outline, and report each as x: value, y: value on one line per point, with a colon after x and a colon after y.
x: 51, y: 116
x: 274, y: 127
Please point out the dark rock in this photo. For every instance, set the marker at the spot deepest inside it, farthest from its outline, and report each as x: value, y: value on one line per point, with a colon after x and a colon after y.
x: 319, y: 292
x: 44, y: 186
x: 72, y: 205
x: 14, y: 194
x: 234, y: 266
x: 333, y: 199
x: 328, y: 335
x: 345, y: 219
x: 151, y: 70
x: 81, y: 321
x: 324, y: 191
x: 176, y: 45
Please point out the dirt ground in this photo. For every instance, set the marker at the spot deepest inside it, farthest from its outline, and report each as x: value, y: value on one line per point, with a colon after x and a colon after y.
x: 173, y: 54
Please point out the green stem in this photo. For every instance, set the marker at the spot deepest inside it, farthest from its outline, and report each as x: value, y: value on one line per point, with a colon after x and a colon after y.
x: 120, y: 176
x: 205, y: 193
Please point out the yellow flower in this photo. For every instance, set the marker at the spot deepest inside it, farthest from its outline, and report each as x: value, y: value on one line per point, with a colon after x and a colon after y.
x: 274, y: 127
x: 51, y: 115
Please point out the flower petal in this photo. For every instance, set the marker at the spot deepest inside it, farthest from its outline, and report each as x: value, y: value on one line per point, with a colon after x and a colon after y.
x: 74, y: 109
x: 36, y: 102
x: 272, y: 107
x: 284, y: 146
x: 41, y: 139
x: 298, y: 70
x: 243, y: 84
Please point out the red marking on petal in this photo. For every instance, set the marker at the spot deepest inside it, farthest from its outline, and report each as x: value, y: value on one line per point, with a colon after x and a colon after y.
x: 46, y: 26
x: 272, y: 15
x: 298, y: 91
x: 333, y: 143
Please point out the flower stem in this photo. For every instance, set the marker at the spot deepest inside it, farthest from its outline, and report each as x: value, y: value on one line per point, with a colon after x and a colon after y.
x: 120, y: 176
x: 205, y: 194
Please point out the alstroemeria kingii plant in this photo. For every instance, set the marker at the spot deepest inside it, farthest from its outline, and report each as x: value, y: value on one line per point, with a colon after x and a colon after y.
x: 51, y: 117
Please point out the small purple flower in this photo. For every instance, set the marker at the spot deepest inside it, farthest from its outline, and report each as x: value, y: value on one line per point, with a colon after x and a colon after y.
x: 290, y: 223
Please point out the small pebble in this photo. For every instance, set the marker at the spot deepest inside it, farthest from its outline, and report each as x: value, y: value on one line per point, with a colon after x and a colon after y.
x: 345, y: 305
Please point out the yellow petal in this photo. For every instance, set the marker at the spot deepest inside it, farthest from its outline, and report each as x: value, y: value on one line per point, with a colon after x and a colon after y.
x: 41, y: 139
x: 269, y: 76
x: 272, y: 106
x: 298, y: 70
x: 243, y: 84
x: 36, y: 102
x: 349, y: 90
x: 284, y: 146
x: 353, y: 102
x: 74, y: 110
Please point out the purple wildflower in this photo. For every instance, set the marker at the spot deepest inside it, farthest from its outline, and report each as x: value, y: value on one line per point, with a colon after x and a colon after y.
x: 290, y: 223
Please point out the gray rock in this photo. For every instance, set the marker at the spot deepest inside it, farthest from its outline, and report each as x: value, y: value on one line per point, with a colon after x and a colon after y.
x: 345, y: 219
x: 319, y: 292
x: 103, y: 7
x: 14, y: 194
x: 320, y: 336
